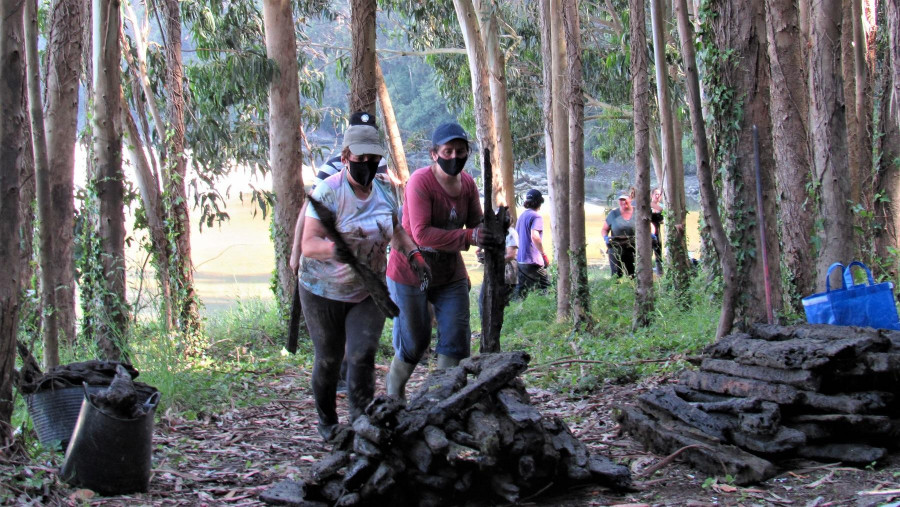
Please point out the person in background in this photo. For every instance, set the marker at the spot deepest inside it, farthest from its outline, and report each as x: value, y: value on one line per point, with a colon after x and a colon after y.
x: 442, y: 213
x: 340, y: 314
x: 620, y: 248
x: 656, y: 220
x: 533, y: 261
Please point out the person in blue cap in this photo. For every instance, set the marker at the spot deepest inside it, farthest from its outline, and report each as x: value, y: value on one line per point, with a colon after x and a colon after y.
x: 442, y: 214
x: 533, y: 261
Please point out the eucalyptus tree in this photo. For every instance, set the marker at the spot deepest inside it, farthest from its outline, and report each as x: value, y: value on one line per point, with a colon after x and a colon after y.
x: 363, y: 87
x: 790, y: 142
x: 12, y: 140
x: 640, y: 86
x: 399, y: 167
x: 829, y: 134
x: 887, y: 179
x: 285, y: 155
x: 736, y: 83
x: 892, y: 9
x: 110, y: 305
x: 56, y: 207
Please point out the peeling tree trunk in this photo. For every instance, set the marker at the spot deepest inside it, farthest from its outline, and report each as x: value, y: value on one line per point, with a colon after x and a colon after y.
x: 43, y: 179
x: 829, y: 134
x: 362, y: 68
x: 708, y: 198
x: 109, y: 180
x: 395, y: 143
x: 12, y: 141
x: 503, y: 177
x: 790, y: 142
x: 478, y: 70
x: 887, y: 181
x: 863, y: 99
x: 560, y: 190
x: 581, y: 300
x: 676, y: 239
x: 892, y: 9
x: 64, y: 61
x: 285, y: 153
x: 640, y: 93
x: 174, y: 178
x: 850, y: 113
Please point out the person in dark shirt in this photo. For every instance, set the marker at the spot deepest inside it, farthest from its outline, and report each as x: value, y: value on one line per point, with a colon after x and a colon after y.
x: 620, y: 247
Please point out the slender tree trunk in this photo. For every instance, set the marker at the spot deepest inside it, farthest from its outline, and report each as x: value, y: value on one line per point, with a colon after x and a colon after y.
x: 29, y: 308
x: 862, y: 181
x: 676, y: 239
x: 503, y: 177
x: 656, y: 155
x: 12, y: 141
x: 395, y: 143
x: 581, y: 296
x: 892, y: 9
x: 708, y: 198
x: 640, y: 94
x: 481, y: 88
x: 887, y: 181
x: 143, y: 76
x: 742, y: 29
x: 50, y: 330
x: 790, y: 141
x: 560, y: 190
x: 285, y: 152
x: 850, y: 113
x: 174, y: 178
x: 829, y: 134
x: 544, y: 7
x: 148, y: 185
x: 362, y: 68
x: 109, y: 180
x: 64, y: 61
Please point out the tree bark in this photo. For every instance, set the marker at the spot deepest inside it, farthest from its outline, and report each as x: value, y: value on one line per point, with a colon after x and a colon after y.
x: 742, y: 29
x: 64, y: 61
x: 887, y: 180
x: 478, y: 70
x: 12, y: 141
x: 50, y: 331
x: 861, y: 183
x: 109, y: 181
x: 829, y: 134
x: 849, y: 81
x: 174, y: 177
x: 399, y: 166
x: 560, y: 190
x: 892, y: 9
x: 285, y: 152
x: 581, y: 300
x: 674, y: 186
x: 790, y: 142
x: 362, y: 68
x: 640, y: 93
x: 708, y: 198
x: 503, y: 177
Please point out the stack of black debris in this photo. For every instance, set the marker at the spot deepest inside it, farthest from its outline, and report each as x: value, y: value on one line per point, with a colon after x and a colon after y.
x: 469, y: 433
x: 811, y: 391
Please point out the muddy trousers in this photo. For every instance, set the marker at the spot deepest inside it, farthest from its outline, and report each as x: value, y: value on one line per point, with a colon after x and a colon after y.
x: 336, y: 326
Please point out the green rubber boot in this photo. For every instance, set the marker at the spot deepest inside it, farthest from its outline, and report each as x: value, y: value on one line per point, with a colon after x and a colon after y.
x: 444, y: 362
x: 395, y: 382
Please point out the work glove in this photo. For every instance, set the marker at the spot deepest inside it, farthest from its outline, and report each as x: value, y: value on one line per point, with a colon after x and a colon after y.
x: 343, y: 254
x: 485, y: 238
x: 419, y: 267
x: 546, y: 261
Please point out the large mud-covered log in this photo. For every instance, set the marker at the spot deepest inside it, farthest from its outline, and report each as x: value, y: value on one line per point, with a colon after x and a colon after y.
x: 801, y: 379
x: 667, y: 401
x: 853, y: 403
x: 705, y: 454
x: 737, y: 386
x: 854, y: 454
x: 801, y: 353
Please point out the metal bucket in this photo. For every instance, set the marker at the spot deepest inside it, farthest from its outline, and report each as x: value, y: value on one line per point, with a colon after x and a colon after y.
x: 110, y: 455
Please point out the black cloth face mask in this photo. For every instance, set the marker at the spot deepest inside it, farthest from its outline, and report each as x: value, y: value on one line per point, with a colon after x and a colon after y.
x: 452, y: 166
x: 363, y: 172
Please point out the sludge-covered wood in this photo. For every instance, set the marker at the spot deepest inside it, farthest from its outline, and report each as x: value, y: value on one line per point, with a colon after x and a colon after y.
x: 737, y: 386
x: 489, y: 444
x: 802, y: 379
x: 855, y: 454
x: 800, y: 353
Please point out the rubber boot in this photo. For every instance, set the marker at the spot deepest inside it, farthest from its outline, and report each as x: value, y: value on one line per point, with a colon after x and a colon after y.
x: 444, y: 362
x: 395, y: 383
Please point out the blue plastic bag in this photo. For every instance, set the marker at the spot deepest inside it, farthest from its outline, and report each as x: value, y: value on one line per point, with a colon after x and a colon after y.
x: 865, y: 304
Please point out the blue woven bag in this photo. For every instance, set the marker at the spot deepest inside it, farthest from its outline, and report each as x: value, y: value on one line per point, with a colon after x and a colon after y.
x: 865, y: 304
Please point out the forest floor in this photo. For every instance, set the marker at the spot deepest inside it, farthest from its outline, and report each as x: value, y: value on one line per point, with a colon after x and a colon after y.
x: 230, y: 457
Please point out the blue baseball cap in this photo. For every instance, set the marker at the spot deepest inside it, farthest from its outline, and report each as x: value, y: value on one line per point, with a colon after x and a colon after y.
x: 447, y: 132
x: 534, y: 195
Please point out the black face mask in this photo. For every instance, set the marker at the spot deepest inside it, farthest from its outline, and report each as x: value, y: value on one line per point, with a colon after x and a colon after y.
x: 363, y: 172
x: 452, y: 166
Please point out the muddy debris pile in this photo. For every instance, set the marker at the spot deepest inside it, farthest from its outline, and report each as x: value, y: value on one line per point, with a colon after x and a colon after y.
x: 811, y: 391
x: 469, y: 433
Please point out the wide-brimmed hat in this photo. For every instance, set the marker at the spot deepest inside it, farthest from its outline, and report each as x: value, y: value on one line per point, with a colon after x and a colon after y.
x: 363, y: 140
x: 447, y: 132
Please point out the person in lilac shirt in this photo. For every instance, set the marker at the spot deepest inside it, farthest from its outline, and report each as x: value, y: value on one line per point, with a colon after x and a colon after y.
x: 533, y: 261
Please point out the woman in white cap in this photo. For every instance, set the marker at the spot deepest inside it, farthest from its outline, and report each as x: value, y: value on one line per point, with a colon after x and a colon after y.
x: 340, y: 313
x: 620, y: 248
x: 442, y: 213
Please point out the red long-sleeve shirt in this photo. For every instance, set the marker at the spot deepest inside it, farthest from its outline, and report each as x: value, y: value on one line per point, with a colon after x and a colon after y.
x: 435, y: 221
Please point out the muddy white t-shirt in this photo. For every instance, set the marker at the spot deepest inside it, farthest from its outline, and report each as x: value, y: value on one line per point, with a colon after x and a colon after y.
x: 366, y: 224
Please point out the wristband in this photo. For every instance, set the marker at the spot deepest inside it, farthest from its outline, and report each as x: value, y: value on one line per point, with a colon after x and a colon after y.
x: 412, y: 253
